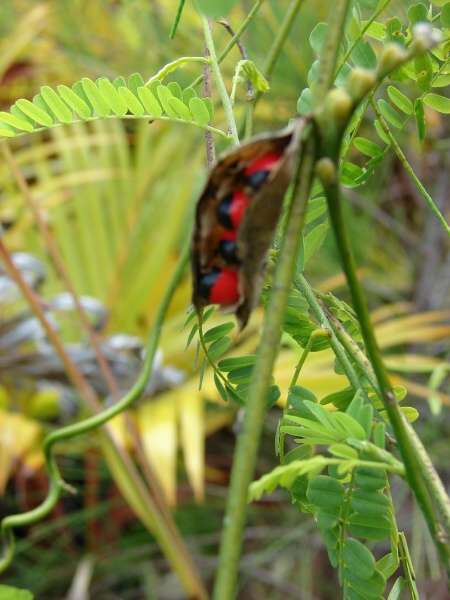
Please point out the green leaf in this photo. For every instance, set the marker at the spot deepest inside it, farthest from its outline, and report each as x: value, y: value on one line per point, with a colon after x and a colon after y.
x: 236, y: 362
x: 220, y: 388
x: 176, y: 90
x: 381, y: 133
x: 133, y: 104
x: 217, y: 332
x: 317, y: 37
x: 370, y: 589
x: 437, y: 102
x: 180, y: 108
x: 368, y: 527
x: 21, y: 124
x: 314, y: 240
x: 112, y: 97
x: 77, y: 104
x: 165, y: 96
x: 367, y: 147
x: 417, y: 13
x: 13, y: 593
x: 216, y: 8
x: 305, y: 102
x: 34, y: 112
x: 445, y: 15
x: 6, y: 131
x: 151, y: 104
x: 423, y: 67
x: 351, y: 174
x: 255, y: 76
x: 370, y: 503
x: 370, y: 479
x: 358, y: 559
x: 441, y: 80
x: 400, y: 100
x: 348, y: 425
x: 199, y: 111
x: 326, y: 493
x: 364, y: 56
x: 241, y: 376
x: 54, y: 102
x: 390, y: 114
x: 135, y: 81
x: 188, y: 94
x: 343, y: 451
x: 397, y: 589
x: 95, y: 98
x: 119, y: 82
x: 339, y: 399
x: 388, y: 564
x: 219, y: 347
x: 411, y: 413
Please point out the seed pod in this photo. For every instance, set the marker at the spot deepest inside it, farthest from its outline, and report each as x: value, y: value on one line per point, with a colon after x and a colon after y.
x: 236, y: 217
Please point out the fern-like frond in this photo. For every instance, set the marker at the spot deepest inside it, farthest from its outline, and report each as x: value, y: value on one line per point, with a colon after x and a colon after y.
x: 89, y: 100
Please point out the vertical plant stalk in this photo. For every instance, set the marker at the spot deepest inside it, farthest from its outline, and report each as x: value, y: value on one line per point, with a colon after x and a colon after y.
x: 256, y: 406
x: 248, y: 442
x: 209, y: 140
x: 414, y: 469
x: 172, y: 546
x: 220, y: 83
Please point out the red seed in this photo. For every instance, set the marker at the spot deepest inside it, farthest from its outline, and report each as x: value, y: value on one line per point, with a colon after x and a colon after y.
x: 225, y: 288
x: 264, y: 163
x: 238, y: 207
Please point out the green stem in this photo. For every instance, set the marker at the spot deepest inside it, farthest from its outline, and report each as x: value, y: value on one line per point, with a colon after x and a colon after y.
x: 225, y: 52
x: 227, y: 106
x: 256, y: 406
x: 177, y: 18
x: 408, y: 168
x: 303, y: 286
x: 175, y: 64
x: 330, y: 51
x: 414, y: 470
x: 304, y: 355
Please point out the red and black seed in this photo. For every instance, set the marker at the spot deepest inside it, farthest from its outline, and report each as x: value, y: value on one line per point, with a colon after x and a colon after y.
x: 228, y: 251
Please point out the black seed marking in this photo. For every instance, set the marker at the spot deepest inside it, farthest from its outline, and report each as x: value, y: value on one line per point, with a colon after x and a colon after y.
x: 255, y: 180
x: 228, y: 251
x: 223, y: 212
x: 206, y: 282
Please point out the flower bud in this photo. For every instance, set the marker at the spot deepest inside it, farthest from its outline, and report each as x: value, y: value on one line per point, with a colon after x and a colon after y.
x: 338, y: 106
x: 424, y: 37
x: 326, y: 171
x: 392, y: 57
x: 360, y: 82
